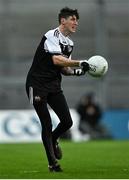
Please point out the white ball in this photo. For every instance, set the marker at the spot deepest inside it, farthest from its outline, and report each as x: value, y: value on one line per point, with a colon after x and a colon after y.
x: 98, y: 66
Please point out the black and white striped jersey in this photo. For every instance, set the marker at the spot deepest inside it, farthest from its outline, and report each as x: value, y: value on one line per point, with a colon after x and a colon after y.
x: 43, y: 69
x: 57, y: 43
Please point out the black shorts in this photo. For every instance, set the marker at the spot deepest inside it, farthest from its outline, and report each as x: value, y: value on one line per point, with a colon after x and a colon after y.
x: 43, y: 90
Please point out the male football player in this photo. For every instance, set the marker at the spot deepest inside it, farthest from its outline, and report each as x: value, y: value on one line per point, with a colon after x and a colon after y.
x: 43, y: 84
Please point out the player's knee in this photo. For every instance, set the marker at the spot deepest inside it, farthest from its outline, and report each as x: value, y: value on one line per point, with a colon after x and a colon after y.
x: 69, y: 124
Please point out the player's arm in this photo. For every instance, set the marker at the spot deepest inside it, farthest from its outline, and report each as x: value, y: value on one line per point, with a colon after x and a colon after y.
x: 68, y: 71
x: 62, y: 61
x: 52, y: 46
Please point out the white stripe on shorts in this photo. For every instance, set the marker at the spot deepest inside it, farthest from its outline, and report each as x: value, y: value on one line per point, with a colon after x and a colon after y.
x: 31, y: 94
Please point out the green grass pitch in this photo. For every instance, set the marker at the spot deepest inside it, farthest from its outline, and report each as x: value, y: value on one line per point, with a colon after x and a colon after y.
x: 85, y: 160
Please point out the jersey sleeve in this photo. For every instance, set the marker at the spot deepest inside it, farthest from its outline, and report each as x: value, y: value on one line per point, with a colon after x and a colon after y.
x: 51, y: 44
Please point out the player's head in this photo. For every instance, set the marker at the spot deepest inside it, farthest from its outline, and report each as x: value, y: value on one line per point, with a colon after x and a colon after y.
x: 68, y: 18
x: 66, y: 12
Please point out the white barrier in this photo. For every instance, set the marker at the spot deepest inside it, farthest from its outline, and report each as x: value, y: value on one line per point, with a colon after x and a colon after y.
x: 24, y: 126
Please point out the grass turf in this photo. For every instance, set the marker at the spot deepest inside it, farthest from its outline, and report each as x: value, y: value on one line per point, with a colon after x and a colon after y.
x: 87, y: 160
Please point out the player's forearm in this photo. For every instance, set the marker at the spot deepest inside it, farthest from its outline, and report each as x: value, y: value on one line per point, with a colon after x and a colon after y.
x: 65, y: 62
x: 67, y: 71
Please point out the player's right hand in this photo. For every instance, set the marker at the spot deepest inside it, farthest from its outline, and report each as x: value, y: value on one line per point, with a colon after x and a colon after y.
x: 84, y: 65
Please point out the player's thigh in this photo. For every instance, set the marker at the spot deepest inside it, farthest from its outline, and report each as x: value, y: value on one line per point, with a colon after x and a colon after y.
x: 39, y: 101
x: 59, y: 104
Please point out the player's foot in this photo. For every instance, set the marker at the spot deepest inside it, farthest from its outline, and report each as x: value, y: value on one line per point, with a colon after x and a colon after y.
x: 57, y: 150
x: 55, y: 168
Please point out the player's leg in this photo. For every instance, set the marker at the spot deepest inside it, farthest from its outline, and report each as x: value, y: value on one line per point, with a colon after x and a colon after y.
x: 40, y: 105
x: 45, y: 120
x: 44, y: 116
x: 59, y: 105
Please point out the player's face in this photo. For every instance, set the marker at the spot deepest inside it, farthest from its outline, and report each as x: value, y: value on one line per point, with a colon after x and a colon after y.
x: 70, y: 24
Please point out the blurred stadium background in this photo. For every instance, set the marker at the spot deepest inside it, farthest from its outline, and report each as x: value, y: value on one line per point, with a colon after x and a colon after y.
x: 103, y: 30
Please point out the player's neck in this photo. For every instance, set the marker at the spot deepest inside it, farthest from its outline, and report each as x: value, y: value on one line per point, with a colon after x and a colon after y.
x: 64, y: 31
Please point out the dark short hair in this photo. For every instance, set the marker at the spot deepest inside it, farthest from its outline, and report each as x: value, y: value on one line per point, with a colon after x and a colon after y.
x: 66, y: 12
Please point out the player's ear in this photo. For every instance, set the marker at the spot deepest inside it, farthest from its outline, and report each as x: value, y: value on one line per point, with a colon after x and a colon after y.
x: 63, y: 21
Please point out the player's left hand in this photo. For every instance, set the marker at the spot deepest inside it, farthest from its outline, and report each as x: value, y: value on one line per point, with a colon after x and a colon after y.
x: 79, y: 72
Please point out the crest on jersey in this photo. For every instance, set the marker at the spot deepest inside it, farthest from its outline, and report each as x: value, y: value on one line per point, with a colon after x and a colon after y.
x: 70, y: 48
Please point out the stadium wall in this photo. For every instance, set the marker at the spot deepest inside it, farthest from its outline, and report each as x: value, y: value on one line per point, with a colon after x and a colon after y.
x: 24, y: 126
